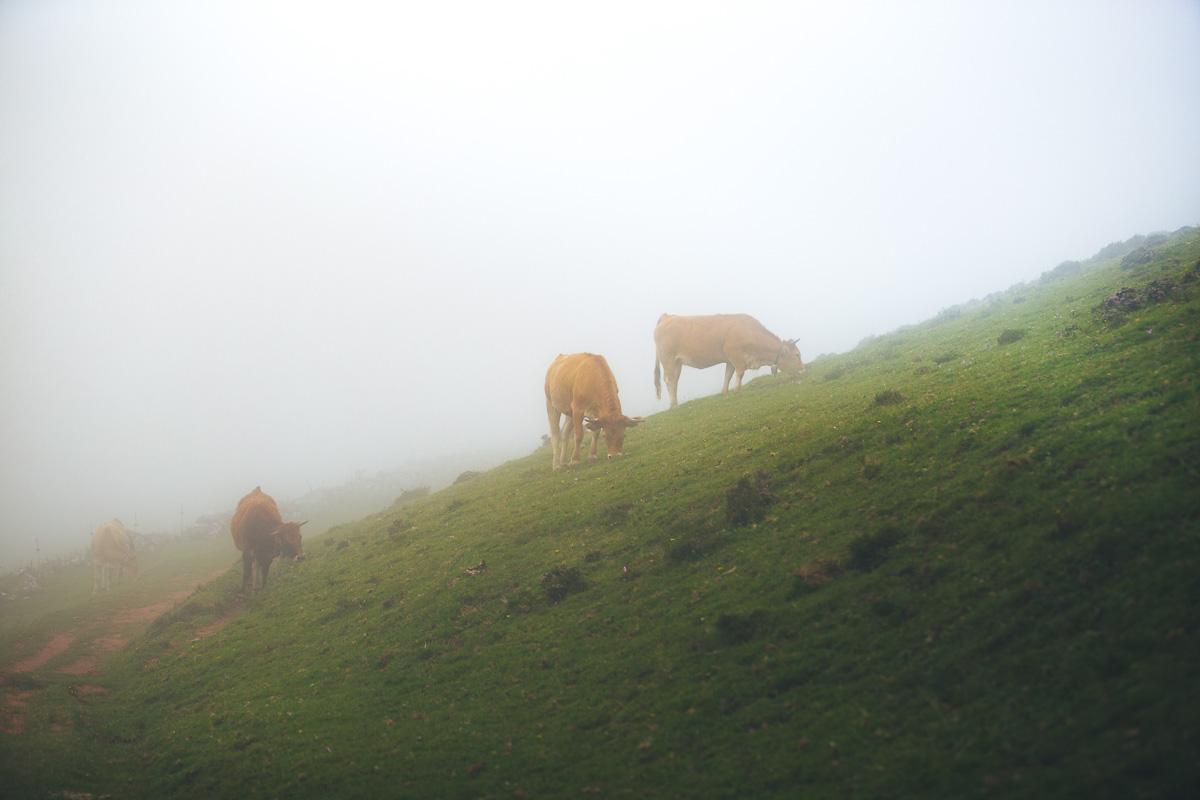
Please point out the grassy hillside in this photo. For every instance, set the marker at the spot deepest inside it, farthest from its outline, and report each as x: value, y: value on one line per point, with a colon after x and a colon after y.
x: 961, y: 560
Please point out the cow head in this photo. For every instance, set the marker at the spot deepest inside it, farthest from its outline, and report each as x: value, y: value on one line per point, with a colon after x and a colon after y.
x: 614, y: 430
x: 288, y: 537
x: 789, y: 358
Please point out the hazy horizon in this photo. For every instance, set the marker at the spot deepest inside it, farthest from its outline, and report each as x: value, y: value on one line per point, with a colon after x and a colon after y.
x: 274, y: 244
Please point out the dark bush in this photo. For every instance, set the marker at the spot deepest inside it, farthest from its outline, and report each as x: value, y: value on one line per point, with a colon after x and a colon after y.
x: 1114, y: 307
x: 562, y: 581
x: 1010, y: 335
x: 946, y: 357
x: 888, y: 397
x: 1142, y: 255
x: 748, y: 500
x: 1158, y: 291
x: 1118, y: 249
x: 870, y: 550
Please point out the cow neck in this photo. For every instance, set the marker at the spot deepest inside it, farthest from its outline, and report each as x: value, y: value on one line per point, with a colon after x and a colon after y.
x: 608, y: 403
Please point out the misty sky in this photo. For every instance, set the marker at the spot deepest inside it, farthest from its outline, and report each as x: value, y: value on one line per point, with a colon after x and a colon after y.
x: 253, y: 243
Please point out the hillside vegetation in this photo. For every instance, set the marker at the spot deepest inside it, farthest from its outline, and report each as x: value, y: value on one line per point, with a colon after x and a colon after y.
x: 962, y: 560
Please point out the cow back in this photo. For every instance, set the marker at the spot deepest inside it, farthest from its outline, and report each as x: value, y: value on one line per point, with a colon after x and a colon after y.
x: 583, y: 381
x: 706, y: 339
x: 255, y: 519
x: 111, y: 544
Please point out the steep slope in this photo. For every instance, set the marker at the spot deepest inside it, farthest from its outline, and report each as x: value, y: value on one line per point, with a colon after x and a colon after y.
x: 961, y: 560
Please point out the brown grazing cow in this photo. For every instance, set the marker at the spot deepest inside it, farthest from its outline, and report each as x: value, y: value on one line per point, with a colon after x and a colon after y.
x: 582, y: 387
x: 738, y: 341
x: 261, y: 534
x: 112, y: 551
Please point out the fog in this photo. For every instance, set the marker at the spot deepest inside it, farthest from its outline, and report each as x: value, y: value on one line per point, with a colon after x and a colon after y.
x: 275, y: 243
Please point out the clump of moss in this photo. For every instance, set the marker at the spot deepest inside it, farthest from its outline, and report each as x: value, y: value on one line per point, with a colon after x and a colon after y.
x: 560, y: 582
x: 747, y: 501
x: 1010, y: 335
x: 870, y: 550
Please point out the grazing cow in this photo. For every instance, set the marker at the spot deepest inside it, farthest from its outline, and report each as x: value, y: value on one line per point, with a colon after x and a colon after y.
x: 112, y: 551
x: 582, y: 388
x: 738, y: 341
x: 261, y: 534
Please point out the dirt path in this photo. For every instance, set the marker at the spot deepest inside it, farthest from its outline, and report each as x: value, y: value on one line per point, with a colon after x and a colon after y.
x: 103, y: 636
x: 57, y: 645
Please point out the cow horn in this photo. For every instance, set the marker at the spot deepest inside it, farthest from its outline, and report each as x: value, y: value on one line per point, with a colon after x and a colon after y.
x: 302, y: 524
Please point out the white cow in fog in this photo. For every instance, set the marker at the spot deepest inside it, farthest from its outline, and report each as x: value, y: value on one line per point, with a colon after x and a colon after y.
x: 112, y: 552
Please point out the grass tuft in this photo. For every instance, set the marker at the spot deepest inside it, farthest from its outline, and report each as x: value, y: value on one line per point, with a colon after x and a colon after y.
x: 1010, y: 335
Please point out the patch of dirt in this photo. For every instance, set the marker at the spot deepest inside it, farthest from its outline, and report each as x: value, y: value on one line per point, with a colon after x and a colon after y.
x: 153, y: 611
x: 218, y: 624
x: 100, y: 647
x: 14, y: 704
x: 147, y: 614
x: 57, y: 645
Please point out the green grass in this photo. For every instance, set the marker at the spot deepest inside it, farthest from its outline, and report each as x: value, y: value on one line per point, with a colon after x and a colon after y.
x: 983, y: 584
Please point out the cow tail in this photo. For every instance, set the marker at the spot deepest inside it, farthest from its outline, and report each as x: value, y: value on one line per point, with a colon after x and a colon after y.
x: 657, y: 380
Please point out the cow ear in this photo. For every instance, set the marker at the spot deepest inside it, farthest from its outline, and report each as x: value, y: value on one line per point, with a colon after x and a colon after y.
x: 632, y: 421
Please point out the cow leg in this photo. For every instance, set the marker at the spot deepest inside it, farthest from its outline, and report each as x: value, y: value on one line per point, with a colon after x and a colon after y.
x: 728, y: 375
x: 264, y: 565
x: 247, y: 571
x: 577, y: 436
x: 595, y: 445
x: 568, y: 428
x: 671, y: 372
x: 740, y: 372
x: 552, y: 416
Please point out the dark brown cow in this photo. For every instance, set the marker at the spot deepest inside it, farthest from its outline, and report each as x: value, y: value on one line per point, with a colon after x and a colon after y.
x: 261, y: 534
x: 738, y: 341
x: 582, y: 387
